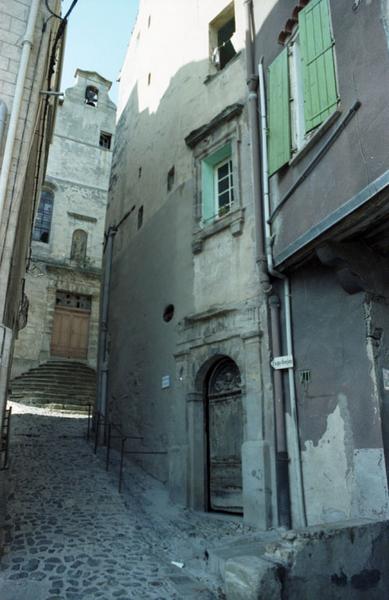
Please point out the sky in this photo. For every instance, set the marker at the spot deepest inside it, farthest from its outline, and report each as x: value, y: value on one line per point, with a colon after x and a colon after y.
x: 97, y: 38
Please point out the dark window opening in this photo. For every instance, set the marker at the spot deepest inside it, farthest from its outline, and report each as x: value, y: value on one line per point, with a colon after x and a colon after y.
x: 41, y: 231
x: 140, y: 217
x: 105, y: 140
x: 149, y: 79
x: 168, y: 313
x: 140, y: 172
x: 91, y: 95
x: 149, y: 21
x: 64, y: 298
x: 170, y: 179
x: 226, y: 49
x: 221, y: 32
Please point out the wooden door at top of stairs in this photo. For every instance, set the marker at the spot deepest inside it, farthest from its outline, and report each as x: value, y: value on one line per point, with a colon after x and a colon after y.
x: 225, y: 438
x: 70, y: 333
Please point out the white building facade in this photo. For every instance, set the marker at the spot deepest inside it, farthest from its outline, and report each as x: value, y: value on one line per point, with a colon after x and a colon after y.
x: 63, y: 279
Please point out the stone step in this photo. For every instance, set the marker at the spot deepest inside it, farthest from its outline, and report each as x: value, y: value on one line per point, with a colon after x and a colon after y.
x: 62, y: 367
x: 252, y: 545
x: 62, y: 406
x: 36, y: 384
x: 59, y: 383
x: 60, y: 393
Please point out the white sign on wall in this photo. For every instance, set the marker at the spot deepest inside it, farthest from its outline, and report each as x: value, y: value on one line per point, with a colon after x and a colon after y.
x: 385, y: 377
x: 282, y: 362
x: 165, y: 383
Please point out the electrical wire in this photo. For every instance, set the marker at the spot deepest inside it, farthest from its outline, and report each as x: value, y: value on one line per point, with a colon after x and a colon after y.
x: 51, y: 12
x: 51, y: 70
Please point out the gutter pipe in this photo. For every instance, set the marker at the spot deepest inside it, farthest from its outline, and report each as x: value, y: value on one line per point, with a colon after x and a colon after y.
x: 3, y: 119
x: 103, y: 359
x: 17, y: 101
x: 280, y: 409
x: 103, y: 342
x: 265, y: 268
x: 252, y: 107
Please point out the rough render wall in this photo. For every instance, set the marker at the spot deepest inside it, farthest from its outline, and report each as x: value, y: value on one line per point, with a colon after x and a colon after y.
x: 154, y: 266
x: 339, y: 409
x: 346, y: 561
x: 360, y: 154
x: 78, y: 173
x: 32, y: 346
x: 14, y: 15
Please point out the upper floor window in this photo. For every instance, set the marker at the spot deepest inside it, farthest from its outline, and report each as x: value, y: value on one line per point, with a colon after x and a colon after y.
x: 41, y: 231
x: 221, y: 31
x: 170, y: 179
x: 302, y: 87
x: 217, y: 187
x: 105, y: 140
x: 79, y: 245
x: 91, y: 95
x: 140, y: 217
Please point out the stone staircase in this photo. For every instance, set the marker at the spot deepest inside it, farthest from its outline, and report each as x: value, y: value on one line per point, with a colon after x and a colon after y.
x: 67, y: 385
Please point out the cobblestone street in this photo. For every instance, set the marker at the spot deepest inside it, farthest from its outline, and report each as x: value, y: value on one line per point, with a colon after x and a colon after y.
x: 72, y: 536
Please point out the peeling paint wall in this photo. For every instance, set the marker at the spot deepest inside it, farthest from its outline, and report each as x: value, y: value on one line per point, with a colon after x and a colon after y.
x: 344, y: 468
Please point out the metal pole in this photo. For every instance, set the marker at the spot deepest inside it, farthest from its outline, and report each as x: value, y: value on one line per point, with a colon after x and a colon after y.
x: 121, y: 464
x: 282, y: 458
x: 97, y: 431
x: 108, y: 447
x: 88, y: 428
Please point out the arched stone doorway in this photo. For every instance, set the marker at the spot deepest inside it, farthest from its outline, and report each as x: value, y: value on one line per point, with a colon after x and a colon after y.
x: 224, y: 436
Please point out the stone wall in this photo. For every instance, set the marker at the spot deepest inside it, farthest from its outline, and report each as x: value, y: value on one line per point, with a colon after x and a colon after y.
x: 77, y: 176
x: 174, y: 109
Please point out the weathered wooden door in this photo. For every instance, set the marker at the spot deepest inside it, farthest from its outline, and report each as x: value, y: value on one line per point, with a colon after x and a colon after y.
x: 225, y: 438
x: 70, y: 334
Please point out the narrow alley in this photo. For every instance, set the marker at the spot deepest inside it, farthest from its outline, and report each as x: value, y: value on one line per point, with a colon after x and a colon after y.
x: 72, y: 536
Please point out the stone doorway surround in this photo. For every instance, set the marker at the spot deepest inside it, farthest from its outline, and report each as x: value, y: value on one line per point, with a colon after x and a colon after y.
x: 206, y: 338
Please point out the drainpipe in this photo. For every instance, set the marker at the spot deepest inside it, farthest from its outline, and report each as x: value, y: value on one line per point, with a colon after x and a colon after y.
x: 281, y: 441
x: 283, y: 500
x: 3, y: 120
x: 282, y: 458
x: 252, y: 107
x: 17, y: 101
x: 102, y: 390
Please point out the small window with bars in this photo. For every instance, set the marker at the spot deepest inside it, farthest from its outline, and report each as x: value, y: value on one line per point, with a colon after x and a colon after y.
x: 41, y: 231
x: 105, y: 140
x: 224, y: 187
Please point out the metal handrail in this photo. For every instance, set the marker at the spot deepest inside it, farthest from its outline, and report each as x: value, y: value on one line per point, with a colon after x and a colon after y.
x: 95, y: 421
x: 5, y: 434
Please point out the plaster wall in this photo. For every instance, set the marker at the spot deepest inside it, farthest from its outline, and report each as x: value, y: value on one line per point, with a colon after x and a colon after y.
x: 360, y: 154
x: 339, y: 408
x: 213, y: 285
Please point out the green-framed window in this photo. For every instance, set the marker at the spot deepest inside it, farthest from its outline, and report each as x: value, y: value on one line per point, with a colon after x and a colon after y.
x: 217, y: 184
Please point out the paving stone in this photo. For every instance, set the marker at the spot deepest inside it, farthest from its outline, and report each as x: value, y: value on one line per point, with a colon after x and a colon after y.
x: 73, y: 534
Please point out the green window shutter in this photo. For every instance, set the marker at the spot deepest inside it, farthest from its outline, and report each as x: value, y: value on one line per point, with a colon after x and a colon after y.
x: 317, y: 55
x: 207, y: 192
x: 279, y: 113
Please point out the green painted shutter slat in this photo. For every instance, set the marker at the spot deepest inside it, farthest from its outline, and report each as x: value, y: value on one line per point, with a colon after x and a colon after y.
x: 207, y: 191
x: 317, y: 55
x: 279, y: 113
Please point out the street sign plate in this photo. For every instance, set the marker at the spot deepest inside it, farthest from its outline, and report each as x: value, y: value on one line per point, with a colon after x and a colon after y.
x: 282, y: 362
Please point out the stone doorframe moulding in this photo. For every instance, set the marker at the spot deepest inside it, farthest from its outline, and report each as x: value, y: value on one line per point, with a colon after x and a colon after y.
x: 193, y: 365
